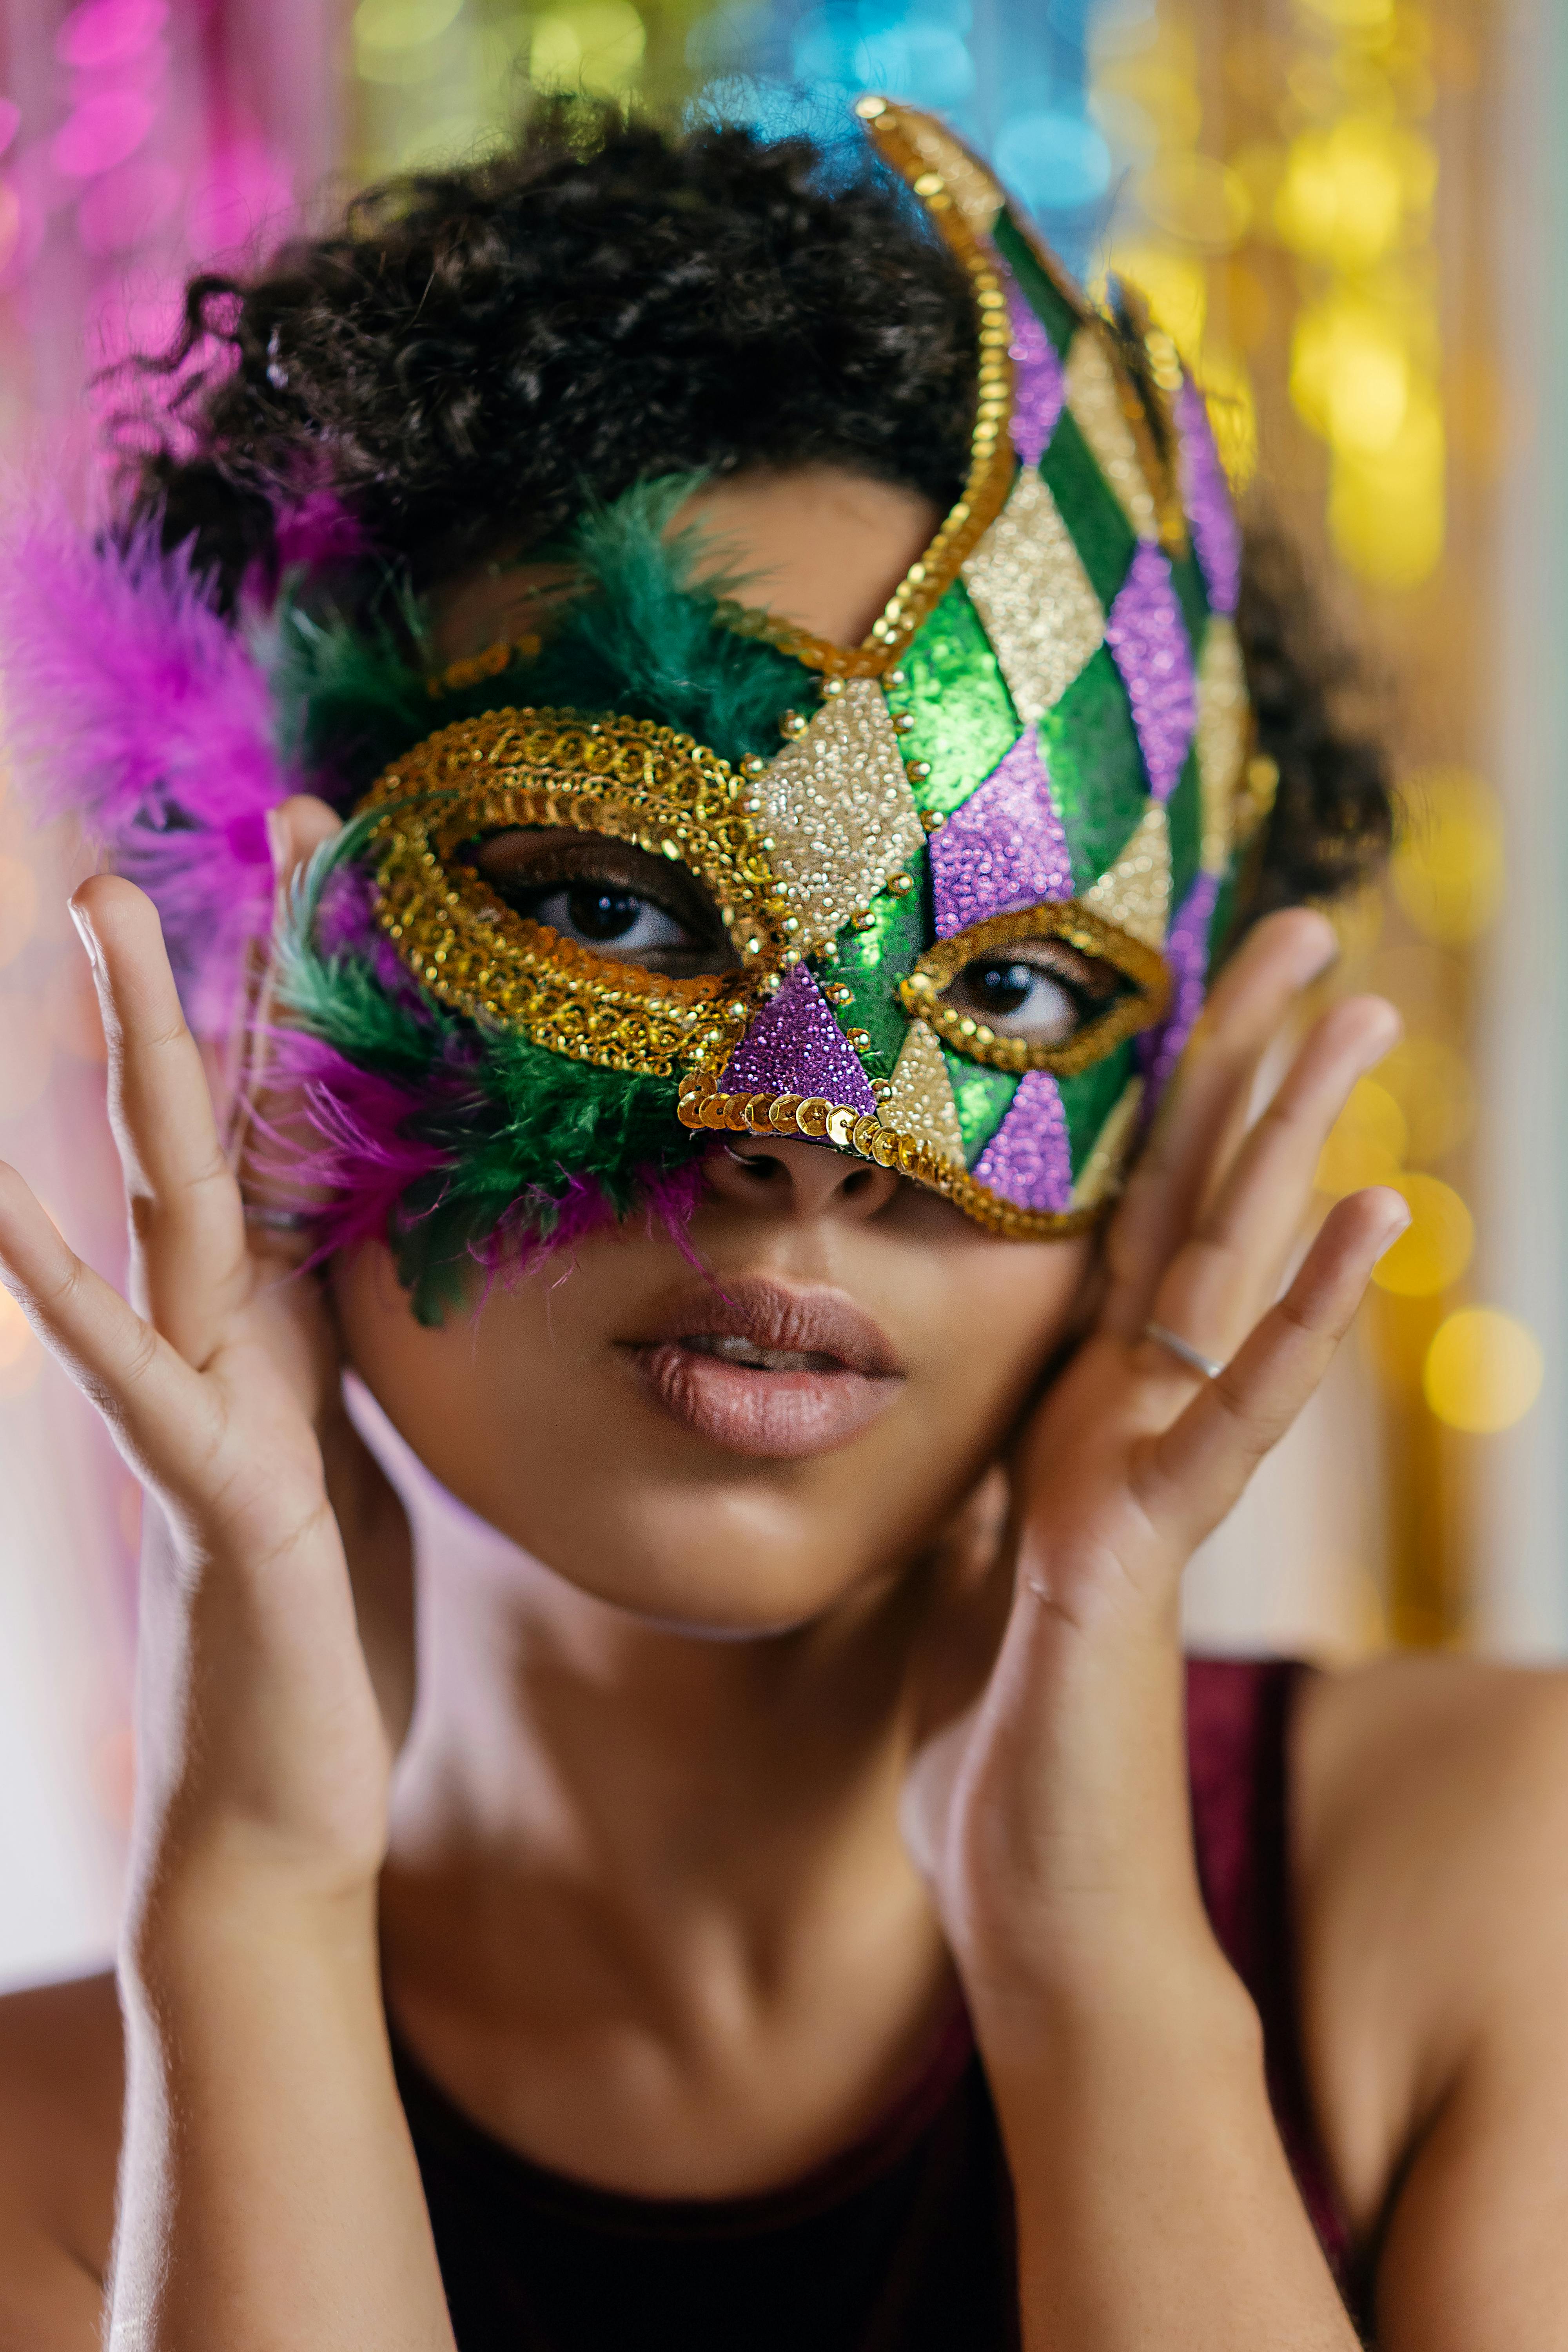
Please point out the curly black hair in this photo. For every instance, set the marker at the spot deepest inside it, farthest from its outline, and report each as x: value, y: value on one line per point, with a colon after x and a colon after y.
x: 475, y: 350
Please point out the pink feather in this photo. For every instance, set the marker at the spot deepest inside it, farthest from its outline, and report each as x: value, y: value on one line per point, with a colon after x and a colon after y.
x: 140, y: 709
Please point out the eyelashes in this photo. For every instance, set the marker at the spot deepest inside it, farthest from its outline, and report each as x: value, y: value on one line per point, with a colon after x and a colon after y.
x: 1052, y: 987
x: 608, y: 896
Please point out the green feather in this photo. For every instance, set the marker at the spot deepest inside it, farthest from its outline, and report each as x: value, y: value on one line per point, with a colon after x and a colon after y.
x: 641, y: 640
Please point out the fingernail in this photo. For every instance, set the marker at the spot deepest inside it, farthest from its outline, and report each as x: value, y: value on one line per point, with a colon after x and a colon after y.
x: 1397, y: 1222
x: 277, y: 842
x: 85, y: 933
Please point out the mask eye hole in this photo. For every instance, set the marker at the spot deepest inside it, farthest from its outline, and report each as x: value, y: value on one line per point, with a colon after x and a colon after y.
x: 1051, y: 987
x: 1041, y: 991
x: 609, y: 897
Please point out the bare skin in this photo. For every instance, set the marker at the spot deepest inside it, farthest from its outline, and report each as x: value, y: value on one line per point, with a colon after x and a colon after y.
x: 637, y: 1896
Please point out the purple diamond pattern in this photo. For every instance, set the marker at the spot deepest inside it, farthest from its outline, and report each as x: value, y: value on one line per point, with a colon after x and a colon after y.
x: 1005, y: 848
x: 1039, y: 385
x: 1148, y: 640
x: 1205, y: 496
x: 1028, y: 1161
x: 794, y: 1046
x: 1187, y: 953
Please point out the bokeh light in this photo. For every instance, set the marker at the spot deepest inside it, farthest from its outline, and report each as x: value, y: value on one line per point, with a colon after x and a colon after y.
x: 594, y: 47
x: 1367, y: 1144
x: 1449, y: 872
x: 1430, y: 1082
x: 1434, y: 1248
x: 1483, y: 1371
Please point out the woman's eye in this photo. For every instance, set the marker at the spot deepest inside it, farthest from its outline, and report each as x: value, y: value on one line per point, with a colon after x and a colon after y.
x: 607, y: 895
x: 1042, y: 1004
x: 601, y: 914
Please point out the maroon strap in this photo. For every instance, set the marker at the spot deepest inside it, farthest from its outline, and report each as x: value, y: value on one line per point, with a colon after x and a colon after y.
x: 1238, y: 1726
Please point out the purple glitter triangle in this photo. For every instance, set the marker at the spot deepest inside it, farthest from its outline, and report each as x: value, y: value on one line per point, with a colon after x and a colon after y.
x: 1187, y: 955
x: 1148, y: 640
x: 1205, y: 496
x: 1028, y: 1161
x: 1039, y: 387
x: 794, y: 1046
x: 1005, y: 848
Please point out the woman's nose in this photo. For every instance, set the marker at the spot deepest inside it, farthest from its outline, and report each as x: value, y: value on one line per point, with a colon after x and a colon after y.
x: 798, y: 1180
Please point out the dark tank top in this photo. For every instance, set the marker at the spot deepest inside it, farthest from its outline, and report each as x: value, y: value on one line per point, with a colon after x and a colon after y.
x: 904, y: 2242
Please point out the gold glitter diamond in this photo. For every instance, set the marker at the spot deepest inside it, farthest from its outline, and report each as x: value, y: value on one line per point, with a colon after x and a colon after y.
x: 1135, y: 893
x: 1101, y: 1177
x: 839, y: 809
x: 1224, y: 732
x: 920, y: 1105
x: 1036, y: 599
x: 1094, y: 396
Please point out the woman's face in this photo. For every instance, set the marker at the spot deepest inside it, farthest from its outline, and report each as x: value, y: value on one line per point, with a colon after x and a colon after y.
x: 739, y: 1443
x: 738, y: 1447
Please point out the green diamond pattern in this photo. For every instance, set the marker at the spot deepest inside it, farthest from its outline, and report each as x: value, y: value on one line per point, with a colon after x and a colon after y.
x: 1095, y: 766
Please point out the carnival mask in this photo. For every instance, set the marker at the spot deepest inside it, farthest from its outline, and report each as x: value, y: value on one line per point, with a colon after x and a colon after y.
x: 959, y: 924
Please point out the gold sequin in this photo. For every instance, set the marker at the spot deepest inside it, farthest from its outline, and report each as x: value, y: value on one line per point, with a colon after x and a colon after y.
x: 1078, y: 925
x: 1100, y: 1179
x: 625, y: 777
x: 919, y: 1106
x: 839, y: 809
x: 1224, y: 732
x: 896, y: 131
x: 1134, y: 895
x: 1036, y: 599
x: 1094, y: 396
x: 970, y: 184
x: 887, y: 1145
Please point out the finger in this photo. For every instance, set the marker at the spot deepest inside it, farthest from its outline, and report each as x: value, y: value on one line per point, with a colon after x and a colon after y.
x: 1221, y: 1279
x: 157, y: 1407
x: 1177, y: 1168
x: 190, y: 1270
x: 1189, y: 1476
x: 268, y: 1115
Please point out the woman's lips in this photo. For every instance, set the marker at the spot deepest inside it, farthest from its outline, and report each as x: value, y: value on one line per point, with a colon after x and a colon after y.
x: 766, y: 1369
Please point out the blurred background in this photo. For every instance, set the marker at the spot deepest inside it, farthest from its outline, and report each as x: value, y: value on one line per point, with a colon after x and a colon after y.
x: 1352, y: 218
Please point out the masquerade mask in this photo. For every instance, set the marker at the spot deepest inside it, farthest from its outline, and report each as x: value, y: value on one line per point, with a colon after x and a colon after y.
x: 942, y: 901
x: 959, y: 925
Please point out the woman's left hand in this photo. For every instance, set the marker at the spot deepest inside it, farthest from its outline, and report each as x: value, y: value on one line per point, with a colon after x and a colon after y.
x: 1052, y: 1819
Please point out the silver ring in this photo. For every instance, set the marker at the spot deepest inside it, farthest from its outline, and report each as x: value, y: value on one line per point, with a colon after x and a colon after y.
x: 278, y: 1221
x: 1173, y: 1342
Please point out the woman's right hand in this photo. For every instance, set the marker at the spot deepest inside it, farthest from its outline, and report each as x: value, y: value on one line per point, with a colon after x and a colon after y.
x: 261, y: 1747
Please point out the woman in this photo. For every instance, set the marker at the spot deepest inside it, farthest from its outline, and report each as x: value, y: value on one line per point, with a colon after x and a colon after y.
x: 798, y: 1912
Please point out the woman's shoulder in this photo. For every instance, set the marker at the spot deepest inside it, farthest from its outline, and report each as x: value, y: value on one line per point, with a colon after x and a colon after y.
x: 1429, y: 1816
x: 61, y: 2085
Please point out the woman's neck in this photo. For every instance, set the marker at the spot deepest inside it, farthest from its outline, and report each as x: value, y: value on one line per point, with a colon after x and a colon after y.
x: 624, y: 1857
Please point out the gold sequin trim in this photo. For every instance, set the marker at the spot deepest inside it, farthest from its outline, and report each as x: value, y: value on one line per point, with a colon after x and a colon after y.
x: 873, y: 1138
x: 1134, y: 895
x: 1079, y: 927
x: 624, y: 778
x: 1223, y: 734
x: 1034, y: 598
x: 897, y: 133
x: 838, y: 814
